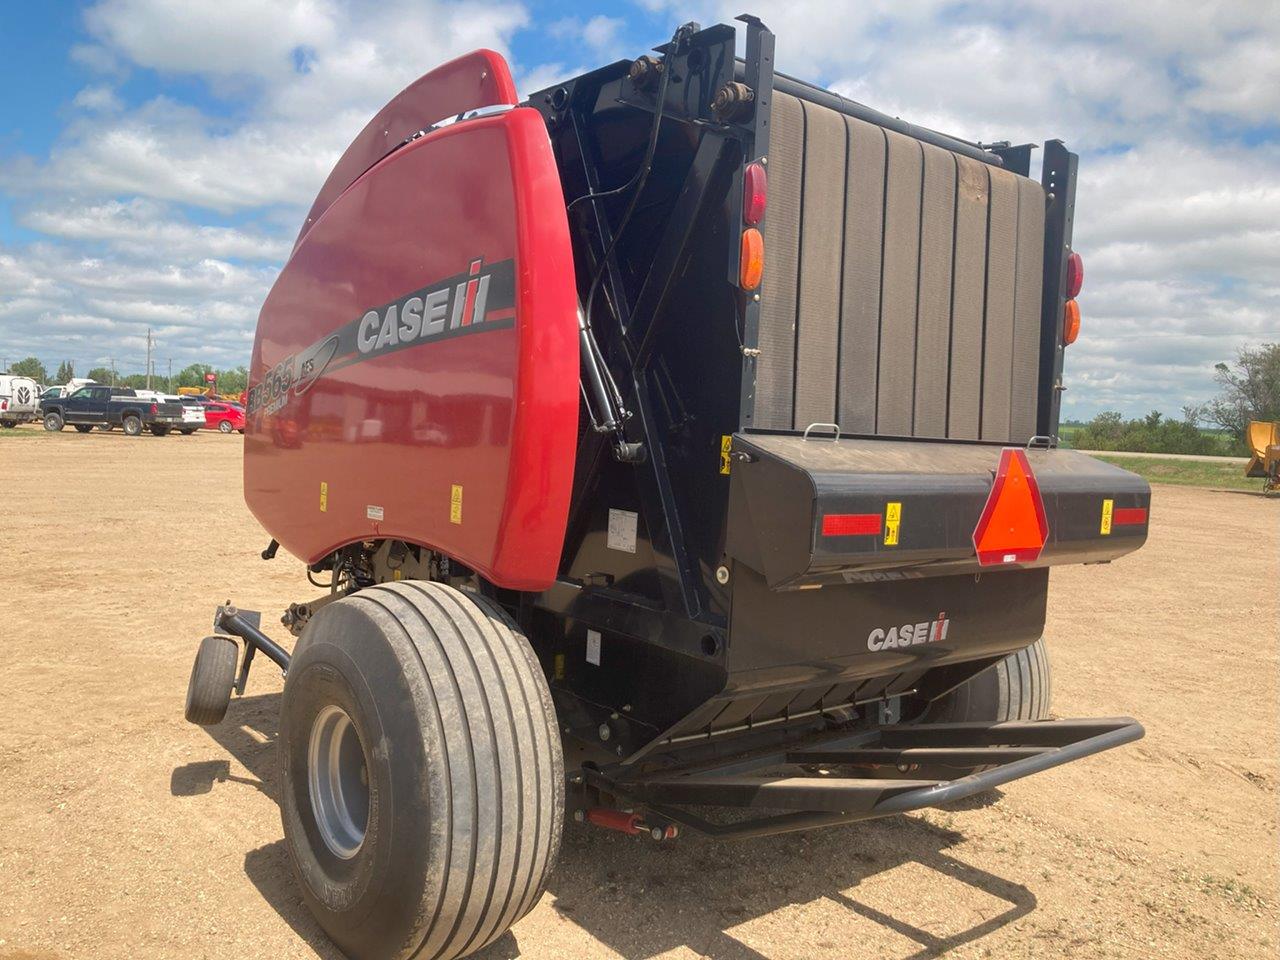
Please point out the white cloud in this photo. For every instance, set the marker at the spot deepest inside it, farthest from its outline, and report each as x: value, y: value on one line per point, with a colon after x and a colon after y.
x: 98, y: 99
x: 141, y: 226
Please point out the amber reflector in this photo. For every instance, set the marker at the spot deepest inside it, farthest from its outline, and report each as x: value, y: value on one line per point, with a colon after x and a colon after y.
x: 752, y: 264
x: 1012, y: 528
x: 1070, y: 322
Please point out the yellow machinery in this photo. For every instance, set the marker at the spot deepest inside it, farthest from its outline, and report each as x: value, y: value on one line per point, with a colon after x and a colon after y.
x: 1264, y: 444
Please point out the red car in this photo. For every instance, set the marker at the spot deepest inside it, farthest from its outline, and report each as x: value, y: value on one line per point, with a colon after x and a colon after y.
x: 223, y: 416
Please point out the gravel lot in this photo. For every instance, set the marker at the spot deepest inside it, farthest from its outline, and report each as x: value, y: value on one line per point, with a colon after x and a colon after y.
x: 125, y: 832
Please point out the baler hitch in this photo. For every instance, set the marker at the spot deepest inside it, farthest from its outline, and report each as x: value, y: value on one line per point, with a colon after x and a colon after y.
x: 244, y: 624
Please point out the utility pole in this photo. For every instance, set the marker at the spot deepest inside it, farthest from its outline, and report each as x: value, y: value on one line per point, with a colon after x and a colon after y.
x: 168, y: 381
x: 148, y: 358
x: 113, y: 370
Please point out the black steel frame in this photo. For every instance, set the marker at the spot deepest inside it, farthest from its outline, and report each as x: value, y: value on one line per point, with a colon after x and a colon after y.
x: 824, y: 794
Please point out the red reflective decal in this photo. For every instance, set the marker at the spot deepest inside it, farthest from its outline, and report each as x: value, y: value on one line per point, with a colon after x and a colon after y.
x: 1127, y: 516
x: 850, y: 524
x: 1012, y: 528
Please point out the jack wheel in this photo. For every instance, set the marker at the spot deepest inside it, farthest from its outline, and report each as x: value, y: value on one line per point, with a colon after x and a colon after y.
x: 212, y: 677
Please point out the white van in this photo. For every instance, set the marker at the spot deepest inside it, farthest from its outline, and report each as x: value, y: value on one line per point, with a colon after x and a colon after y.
x: 18, y: 398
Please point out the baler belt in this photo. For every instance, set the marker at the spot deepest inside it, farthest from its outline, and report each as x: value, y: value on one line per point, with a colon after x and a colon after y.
x: 901, y: 292
x: 821, y: 226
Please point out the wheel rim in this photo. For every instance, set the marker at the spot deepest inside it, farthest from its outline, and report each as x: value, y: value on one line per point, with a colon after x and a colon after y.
x: 225, y: 426
x: 338, y: 779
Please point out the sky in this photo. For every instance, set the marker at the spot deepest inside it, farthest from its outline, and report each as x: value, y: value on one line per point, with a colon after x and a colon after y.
x: 157, y: 158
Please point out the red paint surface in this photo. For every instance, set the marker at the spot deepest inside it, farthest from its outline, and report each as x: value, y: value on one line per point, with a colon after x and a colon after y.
x: 1013, y: 527
x: 477, y: 79
x: 1129, y: 516
x: 493, y: 410
x: 850, y: 524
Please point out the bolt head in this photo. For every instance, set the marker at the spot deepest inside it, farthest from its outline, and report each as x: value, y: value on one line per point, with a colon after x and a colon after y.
x: 657, y: 833
x: 605, y: 731
x: 722, y: 575
x: 579, y: 816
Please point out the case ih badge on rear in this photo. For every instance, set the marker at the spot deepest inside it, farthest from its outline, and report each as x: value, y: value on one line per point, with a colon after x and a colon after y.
x: 760, y: 621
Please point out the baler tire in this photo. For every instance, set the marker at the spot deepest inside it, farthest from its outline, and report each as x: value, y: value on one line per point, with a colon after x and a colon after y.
x: 1016, y: 688
x: 459, y: 757
x: 8, y: 424
x: 84, y: 428
x: 212, y: 677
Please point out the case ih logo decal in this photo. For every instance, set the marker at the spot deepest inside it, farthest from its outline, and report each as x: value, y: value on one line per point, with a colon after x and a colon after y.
x: 909, y: 634
x: 482, y: 298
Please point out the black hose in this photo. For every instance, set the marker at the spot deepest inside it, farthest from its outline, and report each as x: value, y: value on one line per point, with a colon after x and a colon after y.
x: 642, y: 174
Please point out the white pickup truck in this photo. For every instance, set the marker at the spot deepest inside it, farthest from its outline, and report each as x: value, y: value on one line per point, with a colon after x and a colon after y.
x: 18, y: 398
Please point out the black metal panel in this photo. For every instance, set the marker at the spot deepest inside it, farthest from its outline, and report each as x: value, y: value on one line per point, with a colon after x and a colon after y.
x: 786, y: 639
x: 1059, y: 180
x: 787, y: 485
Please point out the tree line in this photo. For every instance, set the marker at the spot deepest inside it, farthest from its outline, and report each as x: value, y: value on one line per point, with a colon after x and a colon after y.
x: 1249, y: 390
x: 233, y: 380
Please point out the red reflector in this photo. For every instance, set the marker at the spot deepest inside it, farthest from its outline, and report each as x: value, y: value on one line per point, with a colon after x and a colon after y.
x: 1127, y: 516
x: 755, y: 193
x: 1012, y: 528
x: 1075, y: 275
x: 850, y: 524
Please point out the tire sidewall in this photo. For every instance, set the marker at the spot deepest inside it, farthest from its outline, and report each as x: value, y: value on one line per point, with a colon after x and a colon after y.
x: 53, y: 422
x: 350, y: 894
x: 225, y: 426
x: 132, y: 425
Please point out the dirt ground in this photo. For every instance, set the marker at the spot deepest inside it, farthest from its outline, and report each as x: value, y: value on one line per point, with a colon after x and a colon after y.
x: 126, y: 832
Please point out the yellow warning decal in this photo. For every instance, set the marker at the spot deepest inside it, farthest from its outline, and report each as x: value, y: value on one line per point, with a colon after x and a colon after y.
x: 324, y: 497
x: 892, y: 521
x: 455, y: 504
x: 725, y: 442
x: 1107, y: 506
x: 559, y: 667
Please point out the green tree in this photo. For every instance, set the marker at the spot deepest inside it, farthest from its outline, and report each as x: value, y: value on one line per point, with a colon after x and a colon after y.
x: 30, y: 367
x: 1153, y: 433
x: 234, y: 380
x: 191, y: 376
x: 66, y: 371
x: 101, y: 374
x: 137, y: 381
x: 1250, y: 392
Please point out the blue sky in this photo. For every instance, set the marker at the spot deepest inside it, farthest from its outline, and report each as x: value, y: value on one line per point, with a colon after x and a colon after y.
x: 157, y: 157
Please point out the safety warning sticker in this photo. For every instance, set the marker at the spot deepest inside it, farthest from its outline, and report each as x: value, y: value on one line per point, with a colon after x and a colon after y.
x: 622, y: 530
x: 892, y: 521
x: 1107, y: 507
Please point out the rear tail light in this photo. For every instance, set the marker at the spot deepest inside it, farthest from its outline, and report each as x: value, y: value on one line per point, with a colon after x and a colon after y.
x: 755, y: 193
x: 1075, y: 275
x: 4, y: 404
x: 751, y: 267
x: 1070, y: 322
x: 154, y: 409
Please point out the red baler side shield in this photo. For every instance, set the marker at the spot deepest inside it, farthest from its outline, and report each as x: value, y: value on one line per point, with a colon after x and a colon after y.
x: 415, y: 371
x: 1012, y: 528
